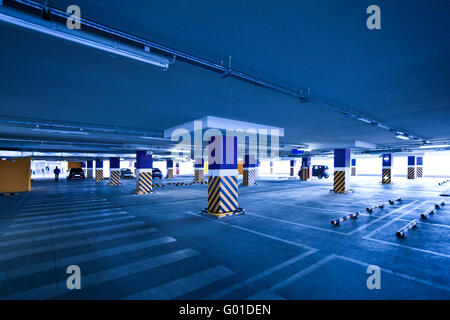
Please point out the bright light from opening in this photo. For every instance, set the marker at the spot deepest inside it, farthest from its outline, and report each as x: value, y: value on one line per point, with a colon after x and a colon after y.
x: 401, y: 137
x: 435, y: 146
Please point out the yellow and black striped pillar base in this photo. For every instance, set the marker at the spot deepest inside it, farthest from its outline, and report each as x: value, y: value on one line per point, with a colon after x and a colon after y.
x: 271, y: 170
x: 291, y: 172
x: 223, y: 195
x: 386, y: 176
x: 248, y: 177
x: 170, y: 173
x: 305, y: 174
x: 89, y: 173
x: 114, y: 178
x: 419, y: 172
x: 144, y: 183
x: 99, y: 175
x: 411, y: 173
x: 198, y: 175
x: 353, y: 171
x: 339, y: 182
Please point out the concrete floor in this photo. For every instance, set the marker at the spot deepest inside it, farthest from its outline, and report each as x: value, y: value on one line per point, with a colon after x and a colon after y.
x: 159, y: 246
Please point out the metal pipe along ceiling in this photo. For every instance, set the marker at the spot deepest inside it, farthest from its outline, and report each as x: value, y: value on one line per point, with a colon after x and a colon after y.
x: 226, y: 71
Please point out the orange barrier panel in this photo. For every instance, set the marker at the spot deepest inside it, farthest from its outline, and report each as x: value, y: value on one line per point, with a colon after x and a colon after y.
x: 15, y: 175
x: 73, y: 164
x: 241, y: 167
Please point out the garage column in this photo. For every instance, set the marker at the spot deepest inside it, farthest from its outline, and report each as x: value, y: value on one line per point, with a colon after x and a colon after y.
x: 353, y: 167
x: 387, y: 169
x: 144, y: 166
x: 98, y: 170
x: 223, y: 176
x: 198, y: 170
x: 419, y: 168
x: 411, y: 167
x: 89, y: 169
x: 271, y: 167
x: 292, y: 168
x: 249, y: 173
x: 305, y: 173
x: 177, y: 168
x: 341, y: 182
x: 114, y: 171
x: 169, y: 169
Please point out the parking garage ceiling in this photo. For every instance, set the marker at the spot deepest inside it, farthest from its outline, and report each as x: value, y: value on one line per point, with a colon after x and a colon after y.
x: 399, y: 75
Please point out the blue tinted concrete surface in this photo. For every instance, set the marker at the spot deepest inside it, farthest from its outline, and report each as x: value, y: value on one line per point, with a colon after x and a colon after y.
x: 159, y: 246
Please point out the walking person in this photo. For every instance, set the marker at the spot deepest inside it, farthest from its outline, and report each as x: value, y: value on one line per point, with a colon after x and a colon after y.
x: 56, y: 172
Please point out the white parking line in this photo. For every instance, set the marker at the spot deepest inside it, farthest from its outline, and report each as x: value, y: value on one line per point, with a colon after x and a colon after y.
x: 423, y: 281
x: 408, y: 247
x: 393, y: 220
x: 297, y: 276
x: 259, y: 276
x: 252, y: 231
x: 382, y: 217
x: 297, y: 224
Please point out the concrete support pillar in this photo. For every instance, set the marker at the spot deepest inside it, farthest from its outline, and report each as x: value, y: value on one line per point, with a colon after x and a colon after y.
x: 169, y: 169
x: 292, y: 168
x: 353, y: 167
x: 135, y: 169
x: 223, y: 176
x: 411, y: 174
x: 305, y: 171
x: 83, y: 167
x: 114, y: 171
x: 177, y: 168
x: 99, y: 170
x: 199, y: 167
x: 271, y: 167
x: 419, y: 167
x: 341, y: 182
x: 386, y: 176
x: 89, y: 169
x: 144, y: 166
x: 249, y: 173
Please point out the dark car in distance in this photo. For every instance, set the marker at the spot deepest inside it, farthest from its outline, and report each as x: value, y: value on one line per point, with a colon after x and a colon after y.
x: 156, y: 173
x: 126, y: 173
x: 76, y: 173
x: 320, y: 172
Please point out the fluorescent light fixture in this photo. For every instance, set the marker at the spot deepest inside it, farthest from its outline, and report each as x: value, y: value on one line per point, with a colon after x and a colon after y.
x: 435, y: 146
x: 152, y: 138
x: 400, y: 136
x: 60, y: 131
x: 37, y: 24
x: 365, y: 120
x: 304, y: 149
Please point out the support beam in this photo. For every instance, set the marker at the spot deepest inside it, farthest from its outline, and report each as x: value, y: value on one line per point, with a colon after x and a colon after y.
x: 223, y: 176
x: 419, y: 167
x: 386, y: 174
x: 169, y: 169
x: 292, y: 168
x: 306, y: 172
x: 249, y: 173
x: 99, y: 170
x: 144, y: 168
x: 199, y: 167
x: 89, y: 169
x: 353, y: 167
x: 114, y: 171
x: 411, y: 173
x: 341, y: 182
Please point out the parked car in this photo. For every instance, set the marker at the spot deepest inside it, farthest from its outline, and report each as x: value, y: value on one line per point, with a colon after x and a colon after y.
x: 320, y: 172
x: 126, y: 173
x: 76, y: 173
x: 156, y: 173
